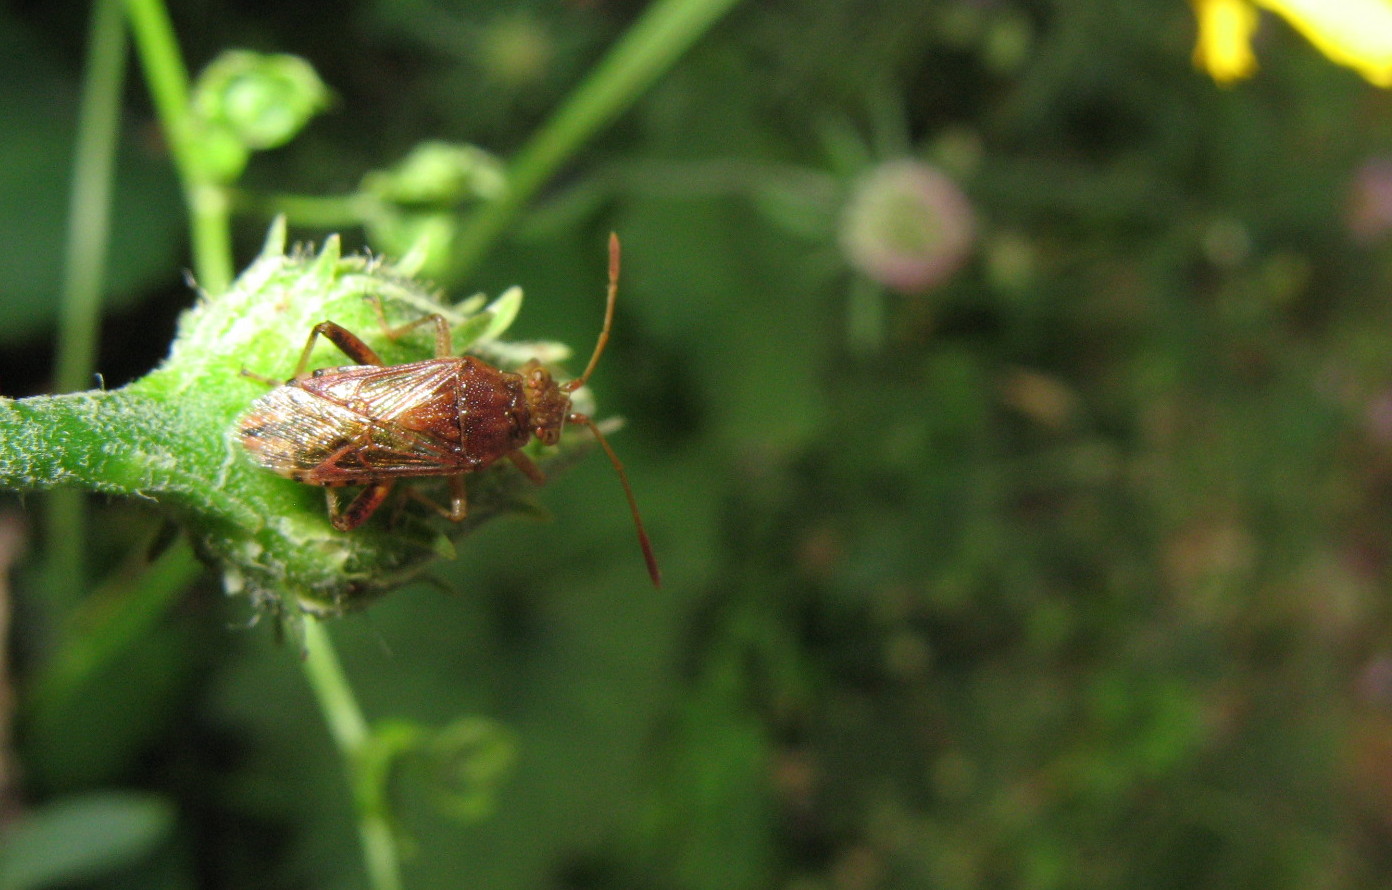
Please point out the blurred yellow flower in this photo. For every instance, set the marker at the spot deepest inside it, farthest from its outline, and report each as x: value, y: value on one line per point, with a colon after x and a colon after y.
x: 1224, y: 48
x: 1356, y: 33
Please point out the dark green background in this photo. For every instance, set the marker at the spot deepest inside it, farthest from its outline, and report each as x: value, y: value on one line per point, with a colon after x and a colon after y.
x: 919, y: 630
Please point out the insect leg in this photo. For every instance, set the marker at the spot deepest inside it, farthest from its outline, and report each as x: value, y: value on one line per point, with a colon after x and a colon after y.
x: 444, y: 344
x: 261, y: 378
x: 360, y: 508
x: 527, y: 466
x: 459, y: 500
x: 347, y: 342
x: 459, y: 504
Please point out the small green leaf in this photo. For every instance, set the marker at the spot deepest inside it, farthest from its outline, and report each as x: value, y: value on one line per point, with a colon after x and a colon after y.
x: 423, y: 237
x: 468, y: 333
x: 504, y: 310
x: 82, y: 838
x: 38, y: 107
x: 490, y: 323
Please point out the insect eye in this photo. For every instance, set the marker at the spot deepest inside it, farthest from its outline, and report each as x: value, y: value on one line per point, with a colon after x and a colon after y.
x: 537, y: 378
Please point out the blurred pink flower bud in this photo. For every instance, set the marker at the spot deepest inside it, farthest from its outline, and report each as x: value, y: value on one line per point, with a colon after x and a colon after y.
x: 1369, y: 212
x: 907, y: 226
x: 1378, y: 417
x: 1375, y: 682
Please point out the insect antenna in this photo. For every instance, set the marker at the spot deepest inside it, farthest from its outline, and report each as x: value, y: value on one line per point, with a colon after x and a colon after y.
x: 613, y: 292
x: 648, y: 556
x: 643, y: 542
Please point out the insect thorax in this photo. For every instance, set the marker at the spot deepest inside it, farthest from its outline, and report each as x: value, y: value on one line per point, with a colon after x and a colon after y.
x: 493, y: 412
x: 547, y: 401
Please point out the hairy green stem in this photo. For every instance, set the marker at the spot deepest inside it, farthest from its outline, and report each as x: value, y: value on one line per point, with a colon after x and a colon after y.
x: 352, y: 736
x: 109, y: 442
x: 651, y: 46
x: 168, y: 82
x: 89, y: 222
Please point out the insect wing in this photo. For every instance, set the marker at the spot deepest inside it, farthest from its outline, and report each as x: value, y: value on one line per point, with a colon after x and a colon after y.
x: 420, y: 397
x: 412, y: 413
x: 356, y: 424
x: 293, y: 432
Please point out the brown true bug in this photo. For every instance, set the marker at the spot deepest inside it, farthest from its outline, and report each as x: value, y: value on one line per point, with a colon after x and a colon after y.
x: 371, y: 424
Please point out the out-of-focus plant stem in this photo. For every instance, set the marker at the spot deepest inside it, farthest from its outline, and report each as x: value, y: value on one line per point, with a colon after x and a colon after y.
x: 89, y: 225
x: 352, y: 736
x: 207, y: 201
x: 666, y: 30
x: 309, y: 211
x: 89, y: 203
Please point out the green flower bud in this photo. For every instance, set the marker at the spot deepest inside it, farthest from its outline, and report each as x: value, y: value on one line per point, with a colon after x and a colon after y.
x: 440, y: 175
x: 426, y: 236
x: 263, y: 101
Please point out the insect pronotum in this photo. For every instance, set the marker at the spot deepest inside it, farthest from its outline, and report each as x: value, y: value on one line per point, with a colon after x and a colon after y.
x: 371, y: 424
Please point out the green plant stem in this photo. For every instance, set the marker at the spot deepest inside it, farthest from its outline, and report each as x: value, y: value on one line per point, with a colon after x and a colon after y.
x: 89, y: 224
x: 66, y: 441
x: 313, y: 211
x: 89, y: 204
x: 207, y: 200
x: 353, y: 737
x: 651, y: 46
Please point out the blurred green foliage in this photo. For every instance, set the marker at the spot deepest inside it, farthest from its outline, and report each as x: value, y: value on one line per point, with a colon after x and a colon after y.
x: 1075, y: 577
x: 38, y: 104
